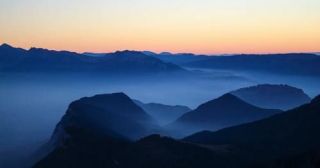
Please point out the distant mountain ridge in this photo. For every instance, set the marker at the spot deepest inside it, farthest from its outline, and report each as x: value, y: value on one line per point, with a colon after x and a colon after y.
x: 43, y: 60
x: 269, y: 96
x: 291, y: 63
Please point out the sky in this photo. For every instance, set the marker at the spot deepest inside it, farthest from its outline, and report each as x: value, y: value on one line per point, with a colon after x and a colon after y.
x: 197, y: 26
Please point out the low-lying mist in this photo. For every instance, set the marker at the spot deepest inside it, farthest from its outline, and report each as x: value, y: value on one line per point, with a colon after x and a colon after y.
x: 32, y: 104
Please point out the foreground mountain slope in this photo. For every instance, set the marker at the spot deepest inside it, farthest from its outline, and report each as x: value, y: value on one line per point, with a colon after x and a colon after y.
x: 224, y: 111
x: 84, y: 150
x: 281, y: 136
x: 164, y: 114
x: 269, y: 96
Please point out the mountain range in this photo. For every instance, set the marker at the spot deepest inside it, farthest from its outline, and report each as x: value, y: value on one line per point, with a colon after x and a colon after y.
x: 44, y: 60
x: 290, y: 64
x: 277, y: 141
x: 287, y: 63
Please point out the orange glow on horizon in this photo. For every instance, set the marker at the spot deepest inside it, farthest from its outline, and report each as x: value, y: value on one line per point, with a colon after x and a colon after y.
x: 193, y: 26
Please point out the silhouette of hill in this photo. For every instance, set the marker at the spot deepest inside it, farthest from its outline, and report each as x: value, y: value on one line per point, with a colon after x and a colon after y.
x: 43, y: 60
x: 284, y: 140
x: 10, y: 56
x: 224, y: 111
x: 269, y: 96
x: 291, y: 63
x: 99, y: 131
x: 104, y: 115
x: 164, y: 114
x: 36, y: 59
x: 279, y: 140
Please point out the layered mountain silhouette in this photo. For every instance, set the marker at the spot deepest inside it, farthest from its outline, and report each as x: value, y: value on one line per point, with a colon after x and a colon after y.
x: 101, y: 131
x: 43, y: 60
x: 290, y: 137
x: 284, y: 140
x: 269, y: 96
x: 36, y: 59
x: 84, y: 150
x: 164, y: 114
x: 224, y: 111
x: 295, y: 63
x: 112, y: 115
x: 288, y: 63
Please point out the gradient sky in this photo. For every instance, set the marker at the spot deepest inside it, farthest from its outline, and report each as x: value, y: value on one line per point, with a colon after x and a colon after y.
x: 198, y: 26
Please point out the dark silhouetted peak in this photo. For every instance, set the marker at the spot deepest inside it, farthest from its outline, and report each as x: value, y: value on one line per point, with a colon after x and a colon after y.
x: 222, y: 112
x: 293, y: 131
x: 110, y: 115
x: 35, y: 49
x: 47, y: 51
x: 282, y: 97
x: 138, y: 61
x: 11, y: 56
x: 113, y: 103
x: 226, y: 101
x: 5, y: 45
x: 12, y: 51
x: 120, y: 96
x: 226, y: 98
x: 114, y: 96
x: 137, y: 56
x: 41, y: 51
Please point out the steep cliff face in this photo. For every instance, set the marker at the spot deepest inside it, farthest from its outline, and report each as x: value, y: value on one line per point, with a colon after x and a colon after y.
x: 111, y: 115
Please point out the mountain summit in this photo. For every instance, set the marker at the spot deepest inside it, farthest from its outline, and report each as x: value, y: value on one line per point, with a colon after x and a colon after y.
x: 104, y: 115
x: 269, y: 96
x: 44, y: 60
x: 224, y: 111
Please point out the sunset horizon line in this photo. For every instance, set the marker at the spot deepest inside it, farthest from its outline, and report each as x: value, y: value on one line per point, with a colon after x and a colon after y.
x: 160, y: 52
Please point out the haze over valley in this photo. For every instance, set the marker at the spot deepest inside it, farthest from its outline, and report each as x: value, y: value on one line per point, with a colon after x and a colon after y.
x: 159, y: 84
